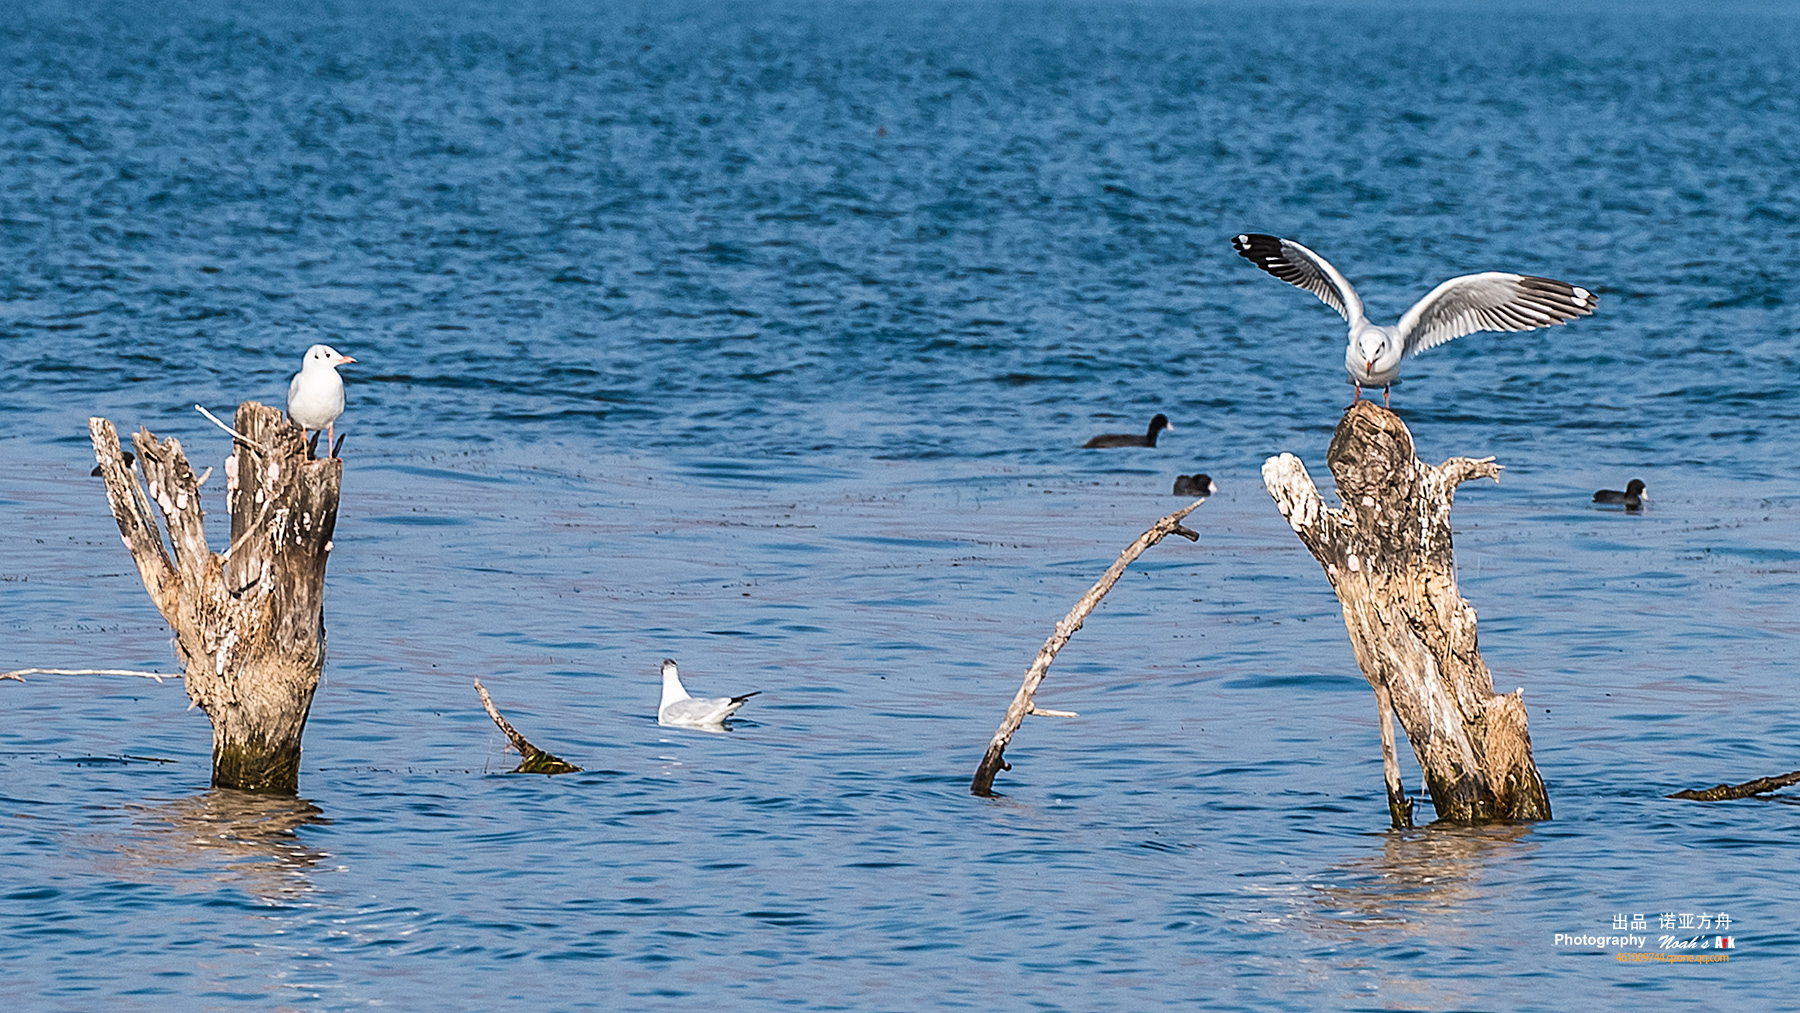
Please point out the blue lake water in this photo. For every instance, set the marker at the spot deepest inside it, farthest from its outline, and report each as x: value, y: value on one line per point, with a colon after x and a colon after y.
x: 765, y: 340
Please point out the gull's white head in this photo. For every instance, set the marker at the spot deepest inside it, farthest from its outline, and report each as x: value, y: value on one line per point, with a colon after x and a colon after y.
x: 324, y: 356
x: 672, y: 689
x: 1368, y: 349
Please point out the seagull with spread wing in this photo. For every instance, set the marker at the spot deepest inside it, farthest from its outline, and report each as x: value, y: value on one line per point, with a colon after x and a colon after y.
x: 1490, y: 301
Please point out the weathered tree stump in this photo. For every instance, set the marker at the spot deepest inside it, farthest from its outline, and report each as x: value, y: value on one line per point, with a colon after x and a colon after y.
x: 249, y: 621
x: 1388, y: 556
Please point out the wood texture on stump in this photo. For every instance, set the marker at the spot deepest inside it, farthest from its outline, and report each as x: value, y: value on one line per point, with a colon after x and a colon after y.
x: 249, y: 621
x: 1387, y: 554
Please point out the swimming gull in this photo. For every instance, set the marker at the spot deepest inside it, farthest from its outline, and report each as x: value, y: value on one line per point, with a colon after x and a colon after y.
x: 1490, y: 301
x: 316, y: 397
x: 680, y: 710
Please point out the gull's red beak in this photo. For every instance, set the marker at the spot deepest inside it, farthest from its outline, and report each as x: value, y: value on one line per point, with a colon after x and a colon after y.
x: 344, y: 359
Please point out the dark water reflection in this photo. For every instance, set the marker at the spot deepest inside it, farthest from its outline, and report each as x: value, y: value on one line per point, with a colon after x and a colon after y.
x: 222, y: 839
x: 1419, y: 885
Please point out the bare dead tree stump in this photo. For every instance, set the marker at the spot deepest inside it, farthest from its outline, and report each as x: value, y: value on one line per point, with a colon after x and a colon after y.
x: 994, y: 761
x: 249, y: 621
x: 1388, y: 556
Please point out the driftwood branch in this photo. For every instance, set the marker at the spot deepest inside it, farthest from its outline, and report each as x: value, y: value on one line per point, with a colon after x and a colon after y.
x: 249, y: 623
x: 994, y: 761
x: 532, y: 760
x: 1387, y: 554
x: 1725, y: 792
x: 20, y: 674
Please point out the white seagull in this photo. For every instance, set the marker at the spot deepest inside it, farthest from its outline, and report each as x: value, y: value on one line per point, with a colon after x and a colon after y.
x: 1490, y: 301
x: 681, y: 710
x: 316, y: 397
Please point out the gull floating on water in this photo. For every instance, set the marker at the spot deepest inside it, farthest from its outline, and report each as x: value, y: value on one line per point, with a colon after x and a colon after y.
x: 1490, y: 301
x: 683, y: 711
x: 316, y: 397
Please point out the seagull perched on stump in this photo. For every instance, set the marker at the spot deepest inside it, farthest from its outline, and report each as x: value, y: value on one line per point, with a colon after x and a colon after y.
x: 316, y: 397
x: 1490, y: 301
x: 681, y: 710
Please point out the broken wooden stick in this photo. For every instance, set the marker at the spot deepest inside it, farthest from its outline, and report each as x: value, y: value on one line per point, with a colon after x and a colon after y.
x: 994, y: 761
x: 1725, y: 792
x: 1387, y: 554
x: 20, y: 674
x: 249, y: 622
x: 532, y: 760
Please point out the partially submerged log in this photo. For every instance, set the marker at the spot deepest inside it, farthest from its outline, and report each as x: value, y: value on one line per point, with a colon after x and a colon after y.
x: 532, y: 760
x: 249, y: 621
x: 1726, y: 792
x: 1387, y: 554
x: 1022, y: 705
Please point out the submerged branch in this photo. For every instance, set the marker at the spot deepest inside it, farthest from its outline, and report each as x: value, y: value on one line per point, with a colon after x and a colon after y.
x: 532, y: 760
x: 995, y: 761
x: 1724, y: 792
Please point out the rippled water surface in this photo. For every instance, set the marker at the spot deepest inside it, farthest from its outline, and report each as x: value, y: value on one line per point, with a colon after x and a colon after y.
x: 765, y: 340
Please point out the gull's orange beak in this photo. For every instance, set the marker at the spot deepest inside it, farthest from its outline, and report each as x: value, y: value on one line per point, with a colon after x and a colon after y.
x: 345, y: 359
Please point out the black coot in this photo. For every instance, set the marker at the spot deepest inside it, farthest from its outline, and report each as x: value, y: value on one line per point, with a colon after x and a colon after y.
x: 1157, y: 425
x: 1632, y: 498
x: 1194, y: 485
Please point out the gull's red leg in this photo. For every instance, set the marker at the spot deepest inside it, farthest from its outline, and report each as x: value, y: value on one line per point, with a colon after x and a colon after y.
x: 1384, y: 397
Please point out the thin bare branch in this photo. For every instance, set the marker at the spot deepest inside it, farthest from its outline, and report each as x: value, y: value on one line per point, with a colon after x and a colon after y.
x: 532, y: 760
x: 235, y: 435
x: 20, y: 674
x: 994, y: 760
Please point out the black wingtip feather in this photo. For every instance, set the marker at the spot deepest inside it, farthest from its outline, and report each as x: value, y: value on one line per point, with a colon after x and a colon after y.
x: 1265, y: 252
x: 1257, y: 247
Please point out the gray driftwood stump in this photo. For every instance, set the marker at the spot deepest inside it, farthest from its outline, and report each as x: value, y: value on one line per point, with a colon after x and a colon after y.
x: 249, y: 621
x: 1387, y: 554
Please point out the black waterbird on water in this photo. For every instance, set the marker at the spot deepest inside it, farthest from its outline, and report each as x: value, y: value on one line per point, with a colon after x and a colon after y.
x: 1632, y: 498
x: 1157, y: 425
x: 1194, y: 485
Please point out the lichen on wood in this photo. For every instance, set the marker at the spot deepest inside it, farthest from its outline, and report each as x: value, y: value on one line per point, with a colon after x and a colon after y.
x: 249, y: 621
x: 1387, y: 553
